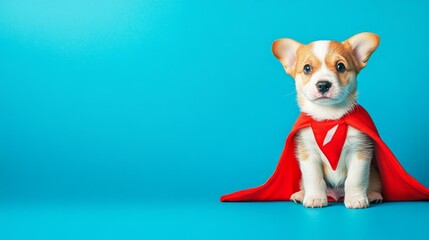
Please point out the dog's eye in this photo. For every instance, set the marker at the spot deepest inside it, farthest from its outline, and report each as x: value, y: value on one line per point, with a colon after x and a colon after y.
x: 307, y: 69
x: 340, y: 67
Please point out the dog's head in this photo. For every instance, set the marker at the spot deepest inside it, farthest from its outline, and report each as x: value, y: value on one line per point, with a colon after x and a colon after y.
x: 325, y: 72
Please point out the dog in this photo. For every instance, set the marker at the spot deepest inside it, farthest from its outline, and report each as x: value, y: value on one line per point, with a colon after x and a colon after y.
x: 325, y: 74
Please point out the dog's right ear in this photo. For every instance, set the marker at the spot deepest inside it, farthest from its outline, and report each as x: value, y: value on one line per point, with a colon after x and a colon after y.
x: 285, y: 50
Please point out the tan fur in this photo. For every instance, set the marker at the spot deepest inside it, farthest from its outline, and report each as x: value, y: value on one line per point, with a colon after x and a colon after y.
x: 339, y: 52
x: 302, y: 152
x: 306, y: 56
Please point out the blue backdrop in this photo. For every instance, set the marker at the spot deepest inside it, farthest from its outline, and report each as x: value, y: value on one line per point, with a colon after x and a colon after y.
x: 179, y: 101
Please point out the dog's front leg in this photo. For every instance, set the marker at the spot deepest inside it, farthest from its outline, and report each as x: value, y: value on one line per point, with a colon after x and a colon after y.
x: 313, y: 182
x: 356, y: 185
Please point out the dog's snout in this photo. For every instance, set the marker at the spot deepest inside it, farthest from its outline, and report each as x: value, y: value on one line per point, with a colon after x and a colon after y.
x: 323, y: 86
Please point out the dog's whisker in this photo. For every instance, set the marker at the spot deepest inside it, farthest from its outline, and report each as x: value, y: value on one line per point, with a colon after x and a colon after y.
x: 289, y: 94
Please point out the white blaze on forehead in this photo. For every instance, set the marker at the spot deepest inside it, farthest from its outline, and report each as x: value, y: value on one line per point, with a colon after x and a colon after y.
x: 320, y: 49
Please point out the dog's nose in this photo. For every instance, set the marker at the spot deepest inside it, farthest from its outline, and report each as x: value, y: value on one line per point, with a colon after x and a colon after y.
x: 323, y: 86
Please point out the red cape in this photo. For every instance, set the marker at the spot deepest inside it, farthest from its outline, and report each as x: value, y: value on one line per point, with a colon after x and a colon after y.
x: 397, y: 184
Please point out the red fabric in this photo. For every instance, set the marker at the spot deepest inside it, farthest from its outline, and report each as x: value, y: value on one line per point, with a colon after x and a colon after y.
x: 331, y: 147
x: 397, y: 184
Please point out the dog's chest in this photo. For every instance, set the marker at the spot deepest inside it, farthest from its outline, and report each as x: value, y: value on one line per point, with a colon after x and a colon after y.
x: 334, y: 178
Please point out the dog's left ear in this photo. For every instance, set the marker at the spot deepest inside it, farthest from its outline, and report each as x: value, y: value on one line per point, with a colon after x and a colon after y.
x: 363, y: 45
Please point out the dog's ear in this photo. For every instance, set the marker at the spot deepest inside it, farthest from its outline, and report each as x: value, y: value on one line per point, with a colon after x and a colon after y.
x: 285, y: 50
x: 363, y: 45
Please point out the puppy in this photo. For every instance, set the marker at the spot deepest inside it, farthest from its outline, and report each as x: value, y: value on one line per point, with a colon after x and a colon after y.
x: 325, y: 77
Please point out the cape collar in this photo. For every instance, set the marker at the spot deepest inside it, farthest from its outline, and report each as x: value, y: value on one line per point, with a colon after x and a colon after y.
x: 330, y: 136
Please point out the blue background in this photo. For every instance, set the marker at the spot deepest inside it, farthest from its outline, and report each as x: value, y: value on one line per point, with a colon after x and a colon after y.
x: 129, y: 119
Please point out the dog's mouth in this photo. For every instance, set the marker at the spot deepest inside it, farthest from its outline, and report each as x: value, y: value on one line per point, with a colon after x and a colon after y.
x: 334, y: 96
x: 323, y: 99
x: 329, y: 99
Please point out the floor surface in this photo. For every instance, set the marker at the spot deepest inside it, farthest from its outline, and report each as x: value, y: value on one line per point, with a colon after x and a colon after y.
x: 211, y: 220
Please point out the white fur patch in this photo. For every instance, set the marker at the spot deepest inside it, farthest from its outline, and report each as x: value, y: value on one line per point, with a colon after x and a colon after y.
x: 320, y: 49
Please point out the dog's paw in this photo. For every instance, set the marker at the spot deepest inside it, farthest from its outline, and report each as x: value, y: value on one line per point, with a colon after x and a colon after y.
x: 375, y: 197
x: 297, y: 197
x: 360, y: 201
x: 315, y: 201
